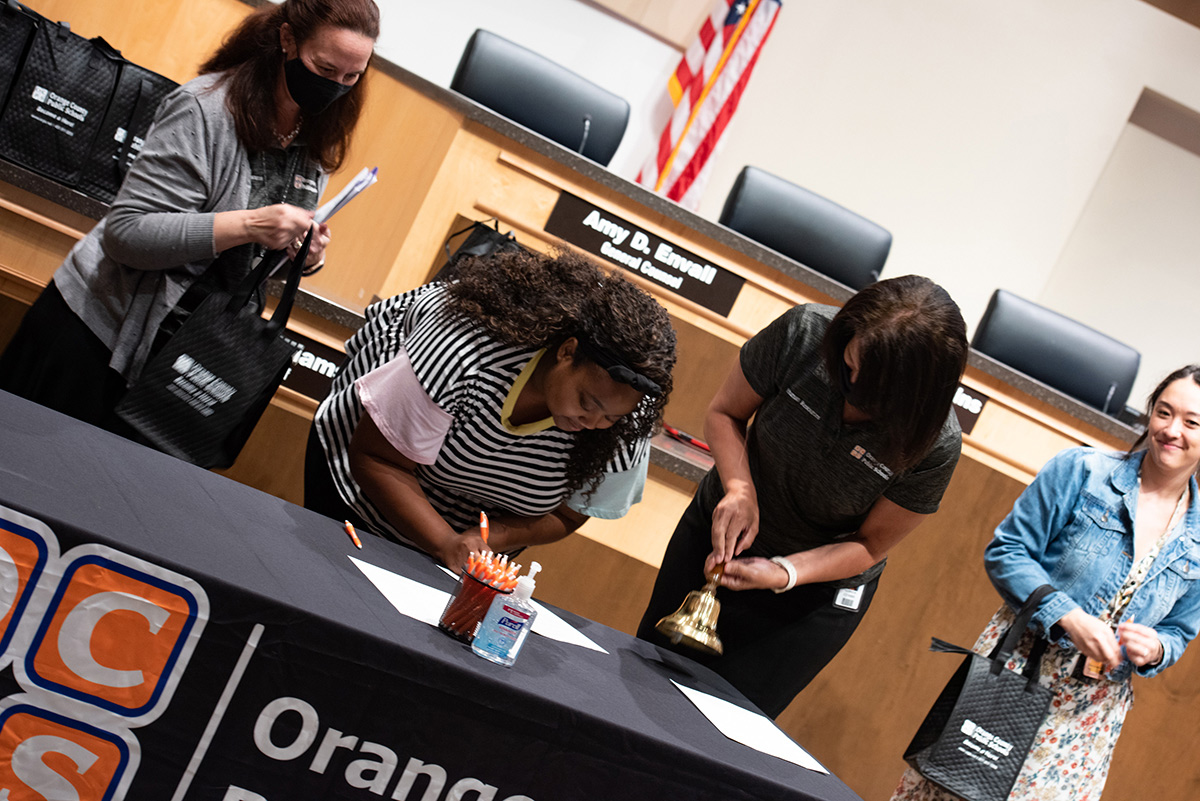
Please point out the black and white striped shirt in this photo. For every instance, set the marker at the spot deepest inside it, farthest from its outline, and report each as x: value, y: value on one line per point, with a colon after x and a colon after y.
x: 480, y: 463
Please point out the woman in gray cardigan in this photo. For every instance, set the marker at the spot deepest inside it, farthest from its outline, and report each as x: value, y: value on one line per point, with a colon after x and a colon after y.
x: 233, y: 165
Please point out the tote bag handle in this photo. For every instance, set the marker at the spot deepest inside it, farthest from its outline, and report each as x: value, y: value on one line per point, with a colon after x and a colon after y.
x: 1024, y: 618
x: 267, y: 265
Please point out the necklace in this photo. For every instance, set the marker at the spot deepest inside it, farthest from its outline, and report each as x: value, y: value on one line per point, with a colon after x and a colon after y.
x: 283, y: 139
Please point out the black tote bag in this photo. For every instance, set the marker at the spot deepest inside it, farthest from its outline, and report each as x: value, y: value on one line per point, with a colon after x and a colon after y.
x: 123, y: 130
x: 17, y: 25
x: 480, y: 241
x: 979, y: 731
x: 58, y: 101
x: 202, y: 394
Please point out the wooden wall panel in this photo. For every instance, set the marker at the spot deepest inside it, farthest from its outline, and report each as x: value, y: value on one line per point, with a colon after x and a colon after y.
x: 406, y: 136
x: 171, y: 38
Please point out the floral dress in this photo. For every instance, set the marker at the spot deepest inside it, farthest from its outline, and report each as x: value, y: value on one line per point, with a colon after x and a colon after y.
x: 1071, y: 754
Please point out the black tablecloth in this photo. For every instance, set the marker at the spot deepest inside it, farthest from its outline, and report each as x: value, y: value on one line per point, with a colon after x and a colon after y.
x: 287, y: 674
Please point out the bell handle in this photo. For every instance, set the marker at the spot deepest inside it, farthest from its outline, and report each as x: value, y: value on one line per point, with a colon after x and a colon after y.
x: 714, y: 579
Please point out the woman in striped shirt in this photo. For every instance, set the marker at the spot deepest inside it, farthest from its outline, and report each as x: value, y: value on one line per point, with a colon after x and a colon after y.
x: 527, y: 388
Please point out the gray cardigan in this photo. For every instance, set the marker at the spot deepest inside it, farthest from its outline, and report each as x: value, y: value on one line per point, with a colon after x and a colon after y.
x: 134, y: 266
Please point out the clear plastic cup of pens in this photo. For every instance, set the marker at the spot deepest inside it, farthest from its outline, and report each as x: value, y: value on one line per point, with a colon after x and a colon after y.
x: 467, y: 607
x: 484, y: 577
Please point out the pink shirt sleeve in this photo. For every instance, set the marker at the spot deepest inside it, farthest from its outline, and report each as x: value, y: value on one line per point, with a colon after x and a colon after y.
x: 405, y: 414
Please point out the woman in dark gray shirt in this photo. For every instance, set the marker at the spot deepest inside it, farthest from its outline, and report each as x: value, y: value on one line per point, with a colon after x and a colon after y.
x: 233, y: 165
x: 852, y: 445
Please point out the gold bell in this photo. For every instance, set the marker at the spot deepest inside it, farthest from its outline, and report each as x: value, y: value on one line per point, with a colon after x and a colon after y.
x: 694, y: 624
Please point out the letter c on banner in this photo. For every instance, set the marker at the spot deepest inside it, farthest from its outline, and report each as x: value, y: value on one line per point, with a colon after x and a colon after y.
x: 266, y: 721
x: 28, y: 766
x: 235, y: 793
x: 75, y: 637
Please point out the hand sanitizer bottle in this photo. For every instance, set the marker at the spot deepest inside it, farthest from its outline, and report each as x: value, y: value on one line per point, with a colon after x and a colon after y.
x: 507, y: 623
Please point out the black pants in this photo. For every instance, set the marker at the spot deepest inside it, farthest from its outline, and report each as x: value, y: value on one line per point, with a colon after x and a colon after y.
x: 774, y: 643
x: 54, y: 359
x: 320, y: 493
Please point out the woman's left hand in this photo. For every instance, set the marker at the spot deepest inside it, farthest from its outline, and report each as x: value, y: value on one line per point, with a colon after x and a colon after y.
x: 1140, y: 643
x: 751, y: 573
x: 316, y: 248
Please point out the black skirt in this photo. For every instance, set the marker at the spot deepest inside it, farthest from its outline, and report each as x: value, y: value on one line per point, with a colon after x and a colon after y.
x: 54, y: 359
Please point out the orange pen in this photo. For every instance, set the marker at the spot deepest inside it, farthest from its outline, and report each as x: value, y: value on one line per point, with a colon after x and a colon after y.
x: 353, y: 534
x: 483, y: 526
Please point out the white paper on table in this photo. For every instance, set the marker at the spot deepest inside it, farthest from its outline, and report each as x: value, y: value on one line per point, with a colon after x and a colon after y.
x: 365, y: 178
x: 551, y: 626
x: 554, y: 627
x: 412, y: 598
x: 749, y: 728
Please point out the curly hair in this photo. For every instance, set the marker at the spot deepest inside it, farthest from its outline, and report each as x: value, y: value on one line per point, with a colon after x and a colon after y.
x: 913, y: 353
x: 534, y: 300
x: 251, y: 59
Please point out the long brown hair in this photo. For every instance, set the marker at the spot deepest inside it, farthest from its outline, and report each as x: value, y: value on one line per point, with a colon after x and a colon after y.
x: 534, y: 300
x: 251, y: 58
x: 912, y: 352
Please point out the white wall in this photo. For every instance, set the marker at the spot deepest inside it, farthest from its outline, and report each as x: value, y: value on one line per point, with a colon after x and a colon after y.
x: 428, y: 38
x: 975, y: 131
x: 1135, y: 249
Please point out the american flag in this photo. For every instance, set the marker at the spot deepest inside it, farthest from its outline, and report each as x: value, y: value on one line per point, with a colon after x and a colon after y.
x: 705, y: 89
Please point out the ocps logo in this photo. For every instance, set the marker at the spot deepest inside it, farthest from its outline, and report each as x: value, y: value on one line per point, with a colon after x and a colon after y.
x: 115, y: 632
x: 26, y: 545
x: 53, y: 756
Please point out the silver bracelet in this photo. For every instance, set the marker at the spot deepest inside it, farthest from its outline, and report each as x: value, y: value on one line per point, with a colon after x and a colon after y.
x: 787, y: 565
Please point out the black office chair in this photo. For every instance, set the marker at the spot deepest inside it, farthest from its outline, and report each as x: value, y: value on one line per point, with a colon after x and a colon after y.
x: 535, y: 92
x: 806, y: 227
x: 1056, y: 350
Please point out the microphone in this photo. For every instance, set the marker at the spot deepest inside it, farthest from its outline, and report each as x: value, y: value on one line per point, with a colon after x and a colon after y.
x: 587, y: 128
x: 1112, y: 388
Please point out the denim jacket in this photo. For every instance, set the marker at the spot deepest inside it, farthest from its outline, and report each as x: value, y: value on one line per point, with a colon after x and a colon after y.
x: 1072, y: 528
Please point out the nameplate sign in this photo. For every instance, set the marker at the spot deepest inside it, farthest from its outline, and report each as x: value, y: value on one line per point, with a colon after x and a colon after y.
x: 312, y: 373
x: 968, y: 403
x: 619, y: 241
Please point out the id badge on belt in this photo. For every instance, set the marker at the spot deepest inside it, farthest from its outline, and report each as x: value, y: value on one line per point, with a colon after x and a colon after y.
x: 849, y: 599
x: 1088, y: 670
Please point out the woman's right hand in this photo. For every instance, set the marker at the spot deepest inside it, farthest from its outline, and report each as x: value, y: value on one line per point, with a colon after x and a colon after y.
x: 1094, y: 639
x: 454, y: 550
x: 274, y: 227
x: 734, y: 521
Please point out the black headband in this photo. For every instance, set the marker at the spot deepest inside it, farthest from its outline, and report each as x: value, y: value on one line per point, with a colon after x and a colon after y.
x: 617, y: 369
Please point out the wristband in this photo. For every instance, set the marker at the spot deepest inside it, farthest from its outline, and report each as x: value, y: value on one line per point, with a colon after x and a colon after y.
x: 787, y: 565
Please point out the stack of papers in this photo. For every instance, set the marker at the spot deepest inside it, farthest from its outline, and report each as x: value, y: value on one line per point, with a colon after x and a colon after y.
x: 365, y: 178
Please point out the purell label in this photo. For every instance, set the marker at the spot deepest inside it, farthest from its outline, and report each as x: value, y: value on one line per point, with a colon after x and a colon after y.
x: 512, y: 618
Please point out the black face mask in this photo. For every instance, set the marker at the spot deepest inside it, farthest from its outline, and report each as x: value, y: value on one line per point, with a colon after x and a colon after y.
x: 313, y: 93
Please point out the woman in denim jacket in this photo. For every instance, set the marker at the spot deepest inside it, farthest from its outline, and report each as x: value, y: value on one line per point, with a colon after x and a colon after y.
x: 1118, y: 536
